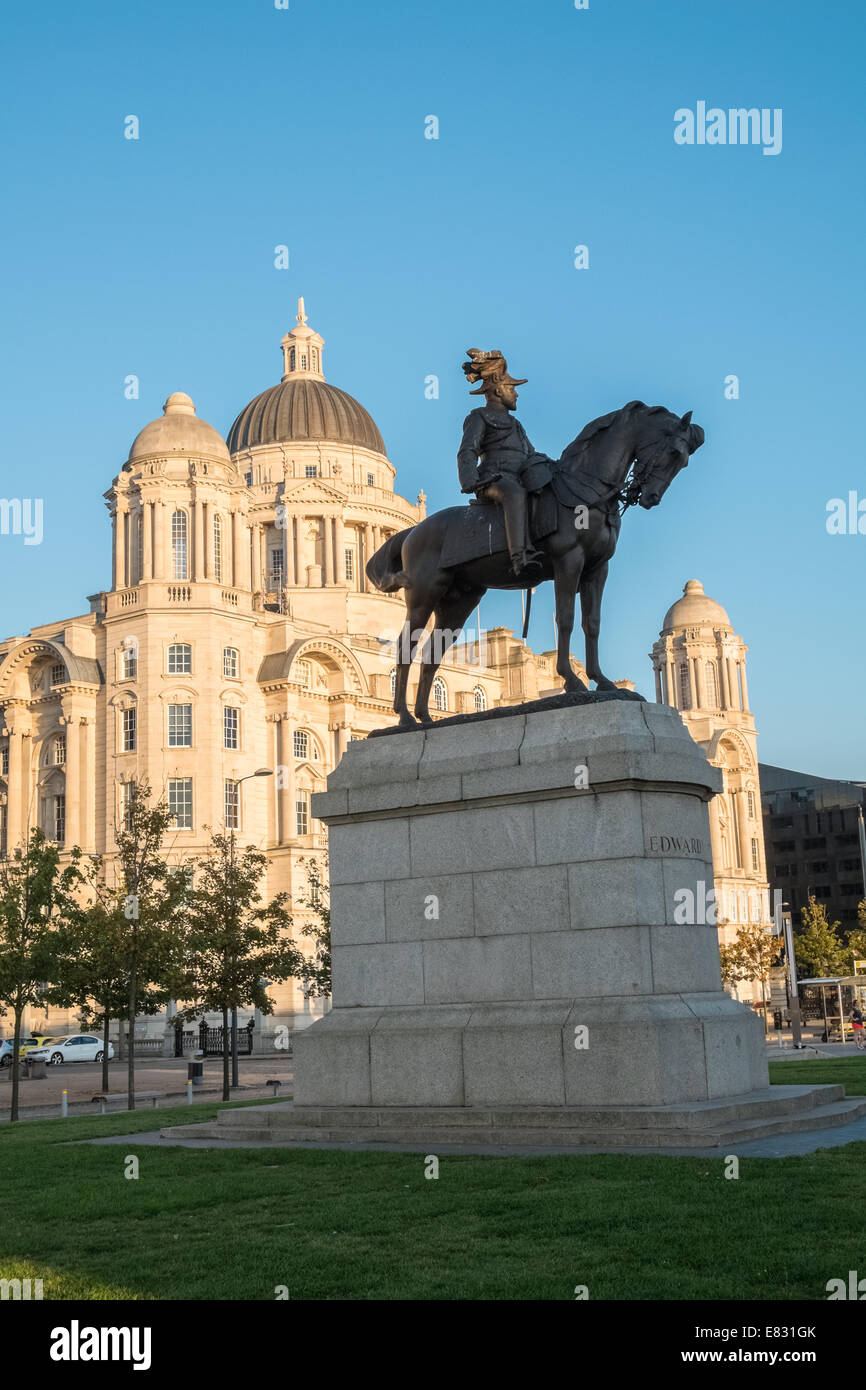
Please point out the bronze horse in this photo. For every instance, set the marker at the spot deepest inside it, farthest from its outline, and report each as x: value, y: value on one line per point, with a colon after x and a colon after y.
x: 591, y: 490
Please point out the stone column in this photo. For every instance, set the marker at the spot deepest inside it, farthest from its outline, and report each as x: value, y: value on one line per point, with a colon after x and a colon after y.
x: 328, y: 548
x: 147, y: 539
x: 120, y: 549
x: 696, y: 682
x: 340, y: 548
x: 209, y: 510
x: 198, y: 548
x: 287, y: 791
x: 368, y: 551
x: 659, y: 700
x: 73, y: 780
x: 724, y: 695
x: 256, y: 548
x: 742, y: 666
x: 733, y: 688
x: 158, y: 526
x: 744, y: 830
x: 289, y: 552
x: 87, y: 821
x: 18, y: 803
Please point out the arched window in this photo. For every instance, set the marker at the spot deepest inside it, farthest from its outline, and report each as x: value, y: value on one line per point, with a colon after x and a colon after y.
x: 301, y: 743
x: 303, y: 361
x: 129, y: 662
x: 217, y: 548
x: 180, y: 566
x: 440, y: 694
x: 479, y: 695
x: 685, y: 688
x: 712, y: 685
x: 231, y: 663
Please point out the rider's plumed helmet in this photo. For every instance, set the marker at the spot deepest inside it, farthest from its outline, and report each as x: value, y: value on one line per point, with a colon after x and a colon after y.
x: 490, y: 368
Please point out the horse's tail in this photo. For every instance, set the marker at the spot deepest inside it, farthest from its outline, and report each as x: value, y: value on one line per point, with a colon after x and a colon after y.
x: 385, y: 568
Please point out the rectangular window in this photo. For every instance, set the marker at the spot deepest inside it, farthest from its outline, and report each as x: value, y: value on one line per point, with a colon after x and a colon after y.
x: 371, y: 480
x: 685, y: 688
x: 233, y: 806
x: 349, y: 556
x: 750, y: 798
x: 180, y: 726
x: 231, y: 727
x: 180, y: 802
x: 127, y: 801
x: 755, y: 861
x: 302, y: 813
x: 58, y: 675
x: 230, y: 663
x: 129, y: 730
x: 179, y: 544
x: 180, y: 659
x: 311, y: 471
x: 4, y: 761
x: 276, y: 570
x: 58, y: 818
x: 302, y: 672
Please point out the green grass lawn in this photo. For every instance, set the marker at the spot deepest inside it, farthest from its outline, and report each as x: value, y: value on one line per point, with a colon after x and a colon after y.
x: 220, y: 1224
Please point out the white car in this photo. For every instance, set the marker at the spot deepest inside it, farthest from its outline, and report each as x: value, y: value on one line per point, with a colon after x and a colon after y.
x: 78, y: 1047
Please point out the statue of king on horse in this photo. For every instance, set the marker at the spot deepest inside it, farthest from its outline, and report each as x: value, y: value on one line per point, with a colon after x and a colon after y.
x: 533, y: 518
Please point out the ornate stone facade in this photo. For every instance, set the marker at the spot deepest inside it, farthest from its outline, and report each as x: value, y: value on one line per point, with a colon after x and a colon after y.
x: 700, y: 669
x: 238, y: 632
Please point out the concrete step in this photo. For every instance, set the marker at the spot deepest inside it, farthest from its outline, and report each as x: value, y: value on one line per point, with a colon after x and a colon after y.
x: 293, y: 1128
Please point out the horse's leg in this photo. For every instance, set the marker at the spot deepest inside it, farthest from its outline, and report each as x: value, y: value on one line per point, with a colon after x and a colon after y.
x: 451, y: 613
x: 417, y: 613
x: 591, y: 590
x: 567, y: 571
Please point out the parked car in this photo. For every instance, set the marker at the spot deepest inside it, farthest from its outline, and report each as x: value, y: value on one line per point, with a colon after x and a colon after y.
x: 77, y: 1047
x: 25, y: 1046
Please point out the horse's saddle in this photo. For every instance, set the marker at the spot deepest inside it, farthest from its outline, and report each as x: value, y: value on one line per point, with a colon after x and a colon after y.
x: 479, y: 529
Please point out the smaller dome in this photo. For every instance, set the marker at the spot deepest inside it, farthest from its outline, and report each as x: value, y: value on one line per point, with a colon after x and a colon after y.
x: 178, y: 431
x: 695, y: 609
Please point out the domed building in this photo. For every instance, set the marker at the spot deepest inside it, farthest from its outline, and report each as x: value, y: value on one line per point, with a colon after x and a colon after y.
x: 700, y: 669
x: 238, y: 634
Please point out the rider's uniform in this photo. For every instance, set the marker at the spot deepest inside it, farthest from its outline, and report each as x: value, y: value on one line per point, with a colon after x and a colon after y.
x: 496, y: 459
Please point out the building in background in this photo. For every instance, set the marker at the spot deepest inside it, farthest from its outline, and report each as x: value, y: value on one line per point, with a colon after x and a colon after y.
x: 238, y: 631
x: 813, y: 842
x: 700, y: 669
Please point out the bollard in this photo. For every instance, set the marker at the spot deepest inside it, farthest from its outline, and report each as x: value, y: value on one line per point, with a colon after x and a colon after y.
x: 64, y: 1103
x: 189, y: 1093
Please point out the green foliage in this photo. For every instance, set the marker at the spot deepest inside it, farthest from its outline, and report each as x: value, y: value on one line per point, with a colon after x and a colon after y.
x: 315, y: 970
x: 817, y: 945
x: 33, y: 891
x: 750, y: 955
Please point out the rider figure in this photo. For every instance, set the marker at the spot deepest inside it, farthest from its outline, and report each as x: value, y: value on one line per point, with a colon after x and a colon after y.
x: 495, y: 454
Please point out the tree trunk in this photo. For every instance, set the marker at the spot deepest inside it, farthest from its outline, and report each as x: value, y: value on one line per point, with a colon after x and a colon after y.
x: 106, y: 1026
x: 130, y: 1061
x: 226, y: 1091
x: 16, y: 1047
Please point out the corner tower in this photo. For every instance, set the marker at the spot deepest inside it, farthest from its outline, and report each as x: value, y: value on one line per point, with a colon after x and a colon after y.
x: 700, y: 669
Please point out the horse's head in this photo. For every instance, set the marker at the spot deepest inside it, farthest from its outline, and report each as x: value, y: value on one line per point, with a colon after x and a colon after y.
x: 662, y: 453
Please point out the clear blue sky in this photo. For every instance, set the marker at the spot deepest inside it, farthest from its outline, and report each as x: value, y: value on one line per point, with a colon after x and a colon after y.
x: 306, y: 127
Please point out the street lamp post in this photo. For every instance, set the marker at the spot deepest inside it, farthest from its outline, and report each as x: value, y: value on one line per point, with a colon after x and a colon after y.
x: 260, y: 772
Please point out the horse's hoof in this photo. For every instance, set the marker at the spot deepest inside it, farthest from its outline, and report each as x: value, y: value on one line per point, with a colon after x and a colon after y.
x: 407, y: 722
x: 605, y: 684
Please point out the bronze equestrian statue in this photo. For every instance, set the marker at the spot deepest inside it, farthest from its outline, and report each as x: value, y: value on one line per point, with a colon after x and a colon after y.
x: 447, y: 562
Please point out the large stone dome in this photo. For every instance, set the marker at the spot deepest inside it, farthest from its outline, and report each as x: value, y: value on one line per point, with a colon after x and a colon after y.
x: 695, y: 609
x: 301, y: 408
x: 178, y: 431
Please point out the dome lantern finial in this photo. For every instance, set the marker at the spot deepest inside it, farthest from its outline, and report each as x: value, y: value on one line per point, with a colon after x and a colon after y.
x: 302, y: 350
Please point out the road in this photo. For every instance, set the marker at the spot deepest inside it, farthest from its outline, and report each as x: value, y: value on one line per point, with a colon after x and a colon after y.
x: 83, y: 1080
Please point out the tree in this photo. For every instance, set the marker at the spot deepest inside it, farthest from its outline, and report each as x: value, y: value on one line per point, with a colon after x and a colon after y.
x: 749, y: 957
x: 233, y: 944
x: 856, y: 947
x: 315, y: 971
x: 817, y: 946
x: 144, y: 908
x: 33, y: 888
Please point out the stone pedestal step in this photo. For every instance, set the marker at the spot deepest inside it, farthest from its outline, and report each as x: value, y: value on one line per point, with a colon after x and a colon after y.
x: 707, y: 1125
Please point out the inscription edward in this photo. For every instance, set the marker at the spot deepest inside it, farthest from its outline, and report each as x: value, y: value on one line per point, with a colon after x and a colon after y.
x: 675, y: 844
